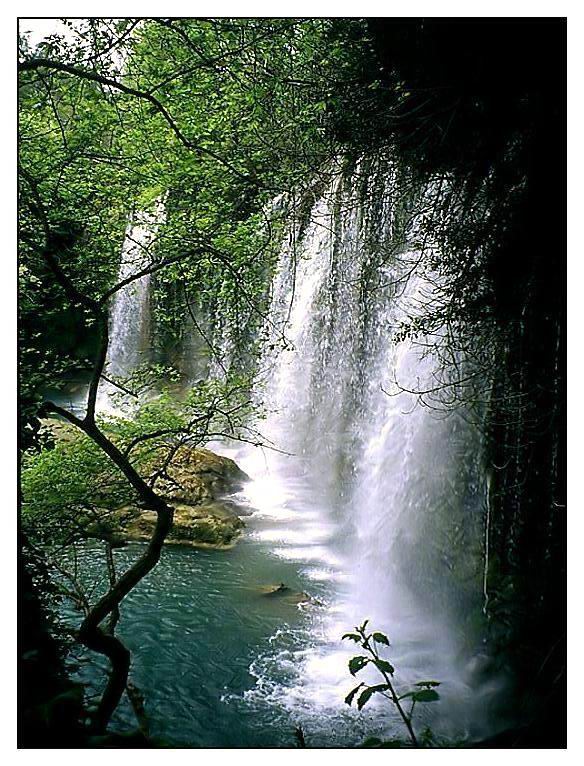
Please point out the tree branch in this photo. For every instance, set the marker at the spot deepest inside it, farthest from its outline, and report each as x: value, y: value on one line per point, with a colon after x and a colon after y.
x: 59, y: 66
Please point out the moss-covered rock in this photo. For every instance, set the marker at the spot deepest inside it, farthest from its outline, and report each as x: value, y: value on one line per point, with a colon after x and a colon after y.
x: 198, y: 476
x: 197, y: 484
x: 203, y: 526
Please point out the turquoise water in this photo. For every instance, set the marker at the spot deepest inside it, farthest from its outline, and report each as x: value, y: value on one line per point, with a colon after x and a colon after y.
x: 218, y: 660
x: 222, y: 664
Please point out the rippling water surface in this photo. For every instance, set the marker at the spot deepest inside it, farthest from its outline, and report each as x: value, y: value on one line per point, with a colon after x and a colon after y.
x: 217, y: 660
x: 223, y: 664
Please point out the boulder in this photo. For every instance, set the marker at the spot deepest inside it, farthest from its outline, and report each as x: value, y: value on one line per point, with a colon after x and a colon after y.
x: 198, y: 476
x: 203, y: 526
x: 197, y: 485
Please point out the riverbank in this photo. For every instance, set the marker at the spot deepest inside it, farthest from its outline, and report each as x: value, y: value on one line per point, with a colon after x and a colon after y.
x: 197, y: 483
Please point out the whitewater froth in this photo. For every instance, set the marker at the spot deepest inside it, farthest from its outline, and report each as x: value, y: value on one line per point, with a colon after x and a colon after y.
x: 372, y: 471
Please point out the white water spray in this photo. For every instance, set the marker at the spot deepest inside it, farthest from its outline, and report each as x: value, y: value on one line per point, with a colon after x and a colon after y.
x: 129, y: 337
x: 382, y: 495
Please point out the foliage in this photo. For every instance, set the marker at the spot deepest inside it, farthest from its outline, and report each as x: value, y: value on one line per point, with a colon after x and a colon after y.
x: 63, y: 487
x: 422, y: 691
x: 248, y: 104
x: 71, y: 484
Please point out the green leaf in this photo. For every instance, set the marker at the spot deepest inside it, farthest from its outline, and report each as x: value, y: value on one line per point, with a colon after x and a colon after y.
x: 367, y: 693
x: 362, y: 628
x: 357, y: 663
x: 384, y: 666
x: 426, y: 695
x: 381, y: 638
x: 353, y: 637
x: 428, y: 684
x: 406, y: 695
x: 351, y: 695
x: 365, y: 697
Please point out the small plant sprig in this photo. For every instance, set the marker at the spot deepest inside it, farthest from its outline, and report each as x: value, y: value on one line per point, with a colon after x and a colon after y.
x: 424, y: 691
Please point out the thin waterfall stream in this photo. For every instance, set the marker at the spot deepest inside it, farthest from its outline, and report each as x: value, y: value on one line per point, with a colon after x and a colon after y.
x: 129, y: 339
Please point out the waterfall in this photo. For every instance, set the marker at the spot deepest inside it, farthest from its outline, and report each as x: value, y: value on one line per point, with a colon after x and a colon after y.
x: 130, y: 311
x: 368, y: 480
x: 372, y: 488
x: 129, y: 335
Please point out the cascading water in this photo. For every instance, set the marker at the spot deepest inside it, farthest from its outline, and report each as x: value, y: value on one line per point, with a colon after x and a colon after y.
x: 380, y: 495
x: 129, y: 337
x: 367, y: 496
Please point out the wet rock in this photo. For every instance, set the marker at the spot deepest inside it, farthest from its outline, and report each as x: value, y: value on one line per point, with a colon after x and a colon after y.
x: 286, y: 594
x: 198, y: 476
x: 275, y: 590
x: 205, y: 526
x: 197, y: 485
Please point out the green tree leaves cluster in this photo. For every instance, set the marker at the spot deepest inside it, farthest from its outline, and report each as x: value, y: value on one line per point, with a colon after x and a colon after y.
x: 216, y: 116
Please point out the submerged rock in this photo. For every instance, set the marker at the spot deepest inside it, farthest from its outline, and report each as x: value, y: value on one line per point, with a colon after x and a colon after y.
x: 275, y: 590
x: 287, y: 595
